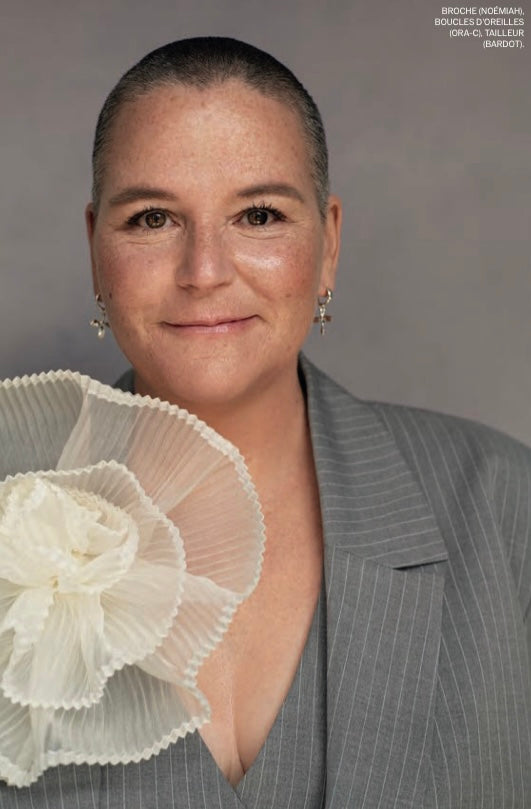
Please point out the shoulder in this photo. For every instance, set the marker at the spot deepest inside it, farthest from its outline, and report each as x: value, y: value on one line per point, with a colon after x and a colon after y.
x: 460, y: 446
x: 476, y: 479
x: 424, y: 434
x: 478, y: 473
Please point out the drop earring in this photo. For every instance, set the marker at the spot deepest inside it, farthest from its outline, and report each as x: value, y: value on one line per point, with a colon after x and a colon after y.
x: 322, y: 302
x: 100, y: 323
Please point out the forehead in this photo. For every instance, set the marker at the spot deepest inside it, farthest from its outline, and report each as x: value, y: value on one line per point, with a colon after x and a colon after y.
x: 223, y: 130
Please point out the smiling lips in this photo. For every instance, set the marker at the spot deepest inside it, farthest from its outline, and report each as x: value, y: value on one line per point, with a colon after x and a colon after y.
x: 218, y: 325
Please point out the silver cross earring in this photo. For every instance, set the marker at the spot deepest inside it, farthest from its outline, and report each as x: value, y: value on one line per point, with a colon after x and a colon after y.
x: 100, y: 323
x: 322, y: 302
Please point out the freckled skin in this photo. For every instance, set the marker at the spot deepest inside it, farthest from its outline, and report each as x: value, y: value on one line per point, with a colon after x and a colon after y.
x: 222, y: 256
x: 208, y: 261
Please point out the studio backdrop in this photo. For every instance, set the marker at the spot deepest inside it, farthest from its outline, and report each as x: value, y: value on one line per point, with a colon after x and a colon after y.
x: 428, y: 115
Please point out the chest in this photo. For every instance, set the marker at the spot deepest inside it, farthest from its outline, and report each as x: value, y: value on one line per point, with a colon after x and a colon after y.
x: 249, y: 675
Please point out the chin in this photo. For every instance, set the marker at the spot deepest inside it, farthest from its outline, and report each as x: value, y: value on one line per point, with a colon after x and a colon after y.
x: 200, y: 388
x: 203, y: 376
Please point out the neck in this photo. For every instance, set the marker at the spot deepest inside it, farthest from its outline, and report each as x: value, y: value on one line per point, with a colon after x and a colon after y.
x: 264, y: 427
x: 268, y: 426
x: 272, y: 433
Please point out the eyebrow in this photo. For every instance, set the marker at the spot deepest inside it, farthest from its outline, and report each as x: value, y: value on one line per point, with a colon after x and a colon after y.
x: 277, y: 189
x: 138, y: 192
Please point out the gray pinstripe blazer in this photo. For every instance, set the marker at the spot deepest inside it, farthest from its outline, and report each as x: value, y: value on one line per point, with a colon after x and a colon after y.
x: 427, y: 523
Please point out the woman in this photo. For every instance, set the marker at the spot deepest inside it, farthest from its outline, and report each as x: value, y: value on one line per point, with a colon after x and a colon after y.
x: 213, y: 240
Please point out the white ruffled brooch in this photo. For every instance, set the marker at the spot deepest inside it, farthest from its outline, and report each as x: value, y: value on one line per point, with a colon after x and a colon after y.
x: 129, y: 533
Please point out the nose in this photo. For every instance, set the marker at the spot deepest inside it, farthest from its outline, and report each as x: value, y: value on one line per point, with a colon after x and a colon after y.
x: 205, y: 263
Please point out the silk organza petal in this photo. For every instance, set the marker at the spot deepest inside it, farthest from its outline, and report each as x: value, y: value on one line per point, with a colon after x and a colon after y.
x: 87, y: 658
x: 136, y: 618
x: 19, y: 762
x: 130, y: 532
x: 16, y: 743
x: 73, y: 676
x: 147, y: 707
x: 27, y: 617
x: 194, y: 632
x: 45, y: 532
x: 9, y: 592
x: 29, y: 550
x: 207, y: 493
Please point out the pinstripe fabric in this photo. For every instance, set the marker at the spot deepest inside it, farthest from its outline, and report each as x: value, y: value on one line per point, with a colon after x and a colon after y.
x: 289, y: 770
x: 478, y: 485
x: 427, y: 523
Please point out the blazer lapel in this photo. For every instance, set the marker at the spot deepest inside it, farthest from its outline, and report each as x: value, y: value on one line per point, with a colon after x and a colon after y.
x: 384, y: 562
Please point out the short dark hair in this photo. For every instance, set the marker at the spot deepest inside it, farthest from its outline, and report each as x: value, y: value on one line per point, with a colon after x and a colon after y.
x: 201, y: 62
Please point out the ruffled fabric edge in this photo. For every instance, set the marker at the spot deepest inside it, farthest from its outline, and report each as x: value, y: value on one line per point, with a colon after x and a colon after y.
x: 107, y: 393
x: 161, y: 659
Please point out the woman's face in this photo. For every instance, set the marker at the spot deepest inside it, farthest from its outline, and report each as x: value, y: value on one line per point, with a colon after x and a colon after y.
x: 208, y: 248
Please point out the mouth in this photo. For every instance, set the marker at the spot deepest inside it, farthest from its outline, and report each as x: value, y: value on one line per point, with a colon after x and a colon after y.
x: 216, y: 325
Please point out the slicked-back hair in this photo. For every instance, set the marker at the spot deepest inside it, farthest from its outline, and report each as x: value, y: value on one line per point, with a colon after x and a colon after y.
x: 205, y: 61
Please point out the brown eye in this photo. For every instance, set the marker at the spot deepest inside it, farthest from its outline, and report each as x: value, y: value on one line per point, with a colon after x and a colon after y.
x: 258, y: 216
x: 155, y: 219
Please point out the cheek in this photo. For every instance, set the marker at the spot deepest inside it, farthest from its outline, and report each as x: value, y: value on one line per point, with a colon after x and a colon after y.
x: 281, y: 268
x: 129, y: 277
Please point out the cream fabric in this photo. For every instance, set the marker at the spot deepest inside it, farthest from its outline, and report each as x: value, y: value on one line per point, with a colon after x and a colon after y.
x: 129, y: 533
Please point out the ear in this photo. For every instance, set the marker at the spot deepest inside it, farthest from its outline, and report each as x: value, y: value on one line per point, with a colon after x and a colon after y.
x: 90, y: 221
x: 332, y: 240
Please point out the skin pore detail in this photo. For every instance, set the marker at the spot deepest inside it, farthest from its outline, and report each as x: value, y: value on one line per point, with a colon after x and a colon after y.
x: 209, y: 215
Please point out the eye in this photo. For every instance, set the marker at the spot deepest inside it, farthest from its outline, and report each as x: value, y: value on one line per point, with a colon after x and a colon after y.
x: 155, y: 219
x: 257, y: 216
x: 149, y: 219
x: 260, y: 215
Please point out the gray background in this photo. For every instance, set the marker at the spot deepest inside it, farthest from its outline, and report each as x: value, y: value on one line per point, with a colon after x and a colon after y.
x: 430, y: 148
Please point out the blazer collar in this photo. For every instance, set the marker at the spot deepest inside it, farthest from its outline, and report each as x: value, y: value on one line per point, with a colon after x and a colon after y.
x: 372, y: 506
x: 384, y: 563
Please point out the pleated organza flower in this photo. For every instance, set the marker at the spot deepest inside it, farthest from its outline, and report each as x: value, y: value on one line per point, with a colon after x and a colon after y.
x: 129, y: 533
